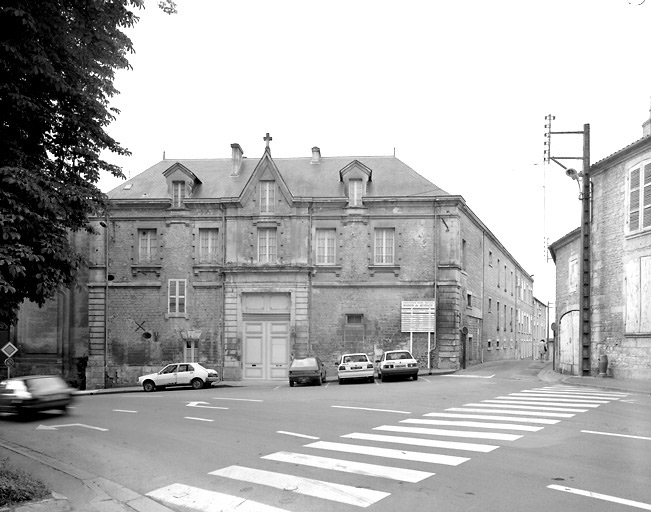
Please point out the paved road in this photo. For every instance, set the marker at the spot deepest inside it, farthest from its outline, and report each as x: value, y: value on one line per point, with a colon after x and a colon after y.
x: 491, y: 438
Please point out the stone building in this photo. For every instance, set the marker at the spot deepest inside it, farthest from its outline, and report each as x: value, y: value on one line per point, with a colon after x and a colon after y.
x: 242, y: 264
x: 620, y: 279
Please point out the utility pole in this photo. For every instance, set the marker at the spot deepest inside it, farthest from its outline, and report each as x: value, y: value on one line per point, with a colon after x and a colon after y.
x: 583, y: 180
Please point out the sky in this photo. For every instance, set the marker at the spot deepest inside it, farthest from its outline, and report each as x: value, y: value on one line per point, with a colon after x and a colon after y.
x: 458, y: 91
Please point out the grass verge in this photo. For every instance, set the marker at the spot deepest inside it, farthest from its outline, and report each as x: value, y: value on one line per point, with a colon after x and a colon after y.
x: 17, y: 485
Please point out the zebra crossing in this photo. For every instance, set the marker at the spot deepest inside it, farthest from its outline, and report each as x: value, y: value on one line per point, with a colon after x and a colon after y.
x: 472, y: 429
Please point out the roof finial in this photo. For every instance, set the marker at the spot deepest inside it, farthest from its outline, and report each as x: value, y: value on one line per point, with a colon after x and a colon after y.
x: 267, y: 138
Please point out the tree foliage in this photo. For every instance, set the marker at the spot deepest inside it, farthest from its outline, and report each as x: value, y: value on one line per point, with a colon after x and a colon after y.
x: 58, y: 60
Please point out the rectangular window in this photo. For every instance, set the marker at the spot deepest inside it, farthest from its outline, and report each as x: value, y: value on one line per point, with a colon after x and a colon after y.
x: 639, y: 204
x: 464, y: 256
x: 354, y: 319
x: 176, y: 296
x: 511, y: 322
x: 355, y: 192
x: 573, y: 275
x: 384, y: 246
x: 267, y: 245
x: 469, y: 299
x: 499, y: 273
x: 325, y: 246
x: 267, y: 196
x: 490, y: 258
x: 504, y: 277
x: 146, y: 245
x: 178, y: 193
x: 498, y: 314
x: 208, y: 240
x: 490, y: 305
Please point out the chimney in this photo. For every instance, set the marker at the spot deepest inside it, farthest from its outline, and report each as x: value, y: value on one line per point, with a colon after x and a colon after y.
x: 236, y: 159
x: 316, y: 155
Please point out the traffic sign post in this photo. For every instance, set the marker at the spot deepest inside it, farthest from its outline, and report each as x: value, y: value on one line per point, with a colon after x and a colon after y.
x: 9, y: 350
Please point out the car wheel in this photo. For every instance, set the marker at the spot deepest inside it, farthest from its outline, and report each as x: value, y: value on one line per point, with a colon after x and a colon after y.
x: 291, y: 383
x: 197, y: 383
x: 383, y: 378
x: 341, y: 381
x: 415, y: 376
x: 318, y: 381
x: 371, y: 379
x: 149, y: 386
x: 64, y: 409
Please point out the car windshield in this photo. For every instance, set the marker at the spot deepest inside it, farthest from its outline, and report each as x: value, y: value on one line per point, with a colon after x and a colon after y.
x: 308, y: 361
x: 398, y: 355
x: 44, y: 384
x: 356, y: 358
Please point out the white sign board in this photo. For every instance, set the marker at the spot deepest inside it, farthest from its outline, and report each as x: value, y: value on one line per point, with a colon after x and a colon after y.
x: 418, y: 316
x: 9, y: 349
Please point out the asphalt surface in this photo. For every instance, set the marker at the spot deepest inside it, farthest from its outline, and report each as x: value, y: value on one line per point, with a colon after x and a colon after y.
x: 73, y: 487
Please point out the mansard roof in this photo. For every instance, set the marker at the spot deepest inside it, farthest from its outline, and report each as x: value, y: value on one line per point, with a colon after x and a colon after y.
x: 391, y: 178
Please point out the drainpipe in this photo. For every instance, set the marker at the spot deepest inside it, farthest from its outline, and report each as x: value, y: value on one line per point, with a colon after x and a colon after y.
x: 106, y: 293
x: 223, y: 273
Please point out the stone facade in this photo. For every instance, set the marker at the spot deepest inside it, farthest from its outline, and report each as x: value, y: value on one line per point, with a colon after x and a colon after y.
x: 243, y: 264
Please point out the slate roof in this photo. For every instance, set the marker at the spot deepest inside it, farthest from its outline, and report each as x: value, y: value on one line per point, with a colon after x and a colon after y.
x: 391, y: 178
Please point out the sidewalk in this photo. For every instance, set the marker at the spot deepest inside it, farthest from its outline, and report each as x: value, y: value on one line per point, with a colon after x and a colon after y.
x: 90, y: 493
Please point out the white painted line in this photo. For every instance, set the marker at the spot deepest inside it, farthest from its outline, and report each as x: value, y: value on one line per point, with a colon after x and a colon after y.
x: 123, y: 410
x: 572, y: 401
x: 326, y: 490
x: 54, y: 427
x: 197, y: 419
x: 202, y: 500
x: 471, y: 376
x: 390, y: 453
x: 429, y: 443
x: 616, y: 435
x: 506, y: 400
x: 592, y: 391
x: 560, y: 394
x: 425, y: 379
x: 506, y: 411
x: 202, y: 406
x: 237, y: 399
x: 473, y: 424
x: 543, y: 421
x: 495, y: 436
x: 503, y: 405
x: 605, y: 497
x: 346, y: 466
x: 557, y: 398
x: 368, y: 409
x: 295, y: 434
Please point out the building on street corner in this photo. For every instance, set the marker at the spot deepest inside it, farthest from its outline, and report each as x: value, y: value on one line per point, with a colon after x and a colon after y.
x: 242, y: 264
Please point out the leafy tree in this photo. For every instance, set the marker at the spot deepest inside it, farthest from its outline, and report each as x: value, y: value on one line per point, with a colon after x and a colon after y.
x: 58, y: 60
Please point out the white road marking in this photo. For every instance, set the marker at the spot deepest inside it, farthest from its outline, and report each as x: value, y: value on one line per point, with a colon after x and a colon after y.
x: 557, y: 398
x: 616, y: 435
x: 495, y: 436
x: 472, y: 376
x: 123, y: 410
x: 605, y: 497
x: 295, y: 434
x: 368, y: 409
x: 564, y: 395
x: 432, y: 458
x: 543, y: 421
x: 591, y: 391
x: 505, y: 411
x: 572, y: 401
x: 197, y: 419
x: 532, y: 402
x: 346, y: 466
x: 54, y: 427
x: 202, y: 500
x: 200, y: 405
x: 237, y: 399
x: 478, y: 424
x: 429, y: 443
x: 503, y: 405
x: 326, y: 490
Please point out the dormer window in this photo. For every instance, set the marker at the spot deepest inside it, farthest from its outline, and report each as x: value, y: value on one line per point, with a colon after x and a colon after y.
x: 267, y: 196
x: 355, y: 192
x: 178, y: 193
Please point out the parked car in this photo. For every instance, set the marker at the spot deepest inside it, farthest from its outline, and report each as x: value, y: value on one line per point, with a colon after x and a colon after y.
x: 179, y: 374
x: 307, y: 369
x: 397, y: 363
x: 355, y: 366
x: 22, y: 395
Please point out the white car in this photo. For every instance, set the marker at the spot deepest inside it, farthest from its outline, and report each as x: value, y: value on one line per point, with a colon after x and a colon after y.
x: 399, y: 363
x: 355, y: 366
x: 179, y: 374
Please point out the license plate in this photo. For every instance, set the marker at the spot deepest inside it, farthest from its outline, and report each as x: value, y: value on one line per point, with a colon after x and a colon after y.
x: 355, y: 367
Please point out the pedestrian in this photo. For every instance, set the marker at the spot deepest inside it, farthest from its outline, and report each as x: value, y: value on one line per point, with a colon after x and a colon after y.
x: 542, y: 348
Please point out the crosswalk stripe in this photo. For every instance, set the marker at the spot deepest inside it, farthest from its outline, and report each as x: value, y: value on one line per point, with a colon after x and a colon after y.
x: 429, y: 443
x: 495, y: 436
x: 552, y: 398
x: 473, y: 424
x: 498, y: 403
x: 544, y: 421
x: 432, y: 458
x: 479, y: 408
x: 506, y: 400
x: 585, y: 390
x: 347, y: 466
x: 202, y: 500
x: 565, y: 395
x: 307, y: 486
